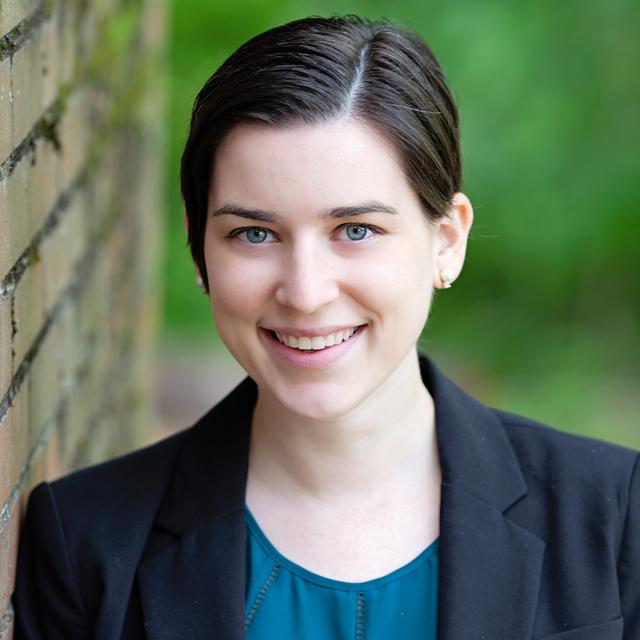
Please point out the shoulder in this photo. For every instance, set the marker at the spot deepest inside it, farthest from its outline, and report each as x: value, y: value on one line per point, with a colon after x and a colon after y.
x: 118, y: 500
x: 115, y: 500
x: 572, y: 476
x: 542, y: 447
x: 83, y: 535
x: 134, y: 474
x: 583, y: 500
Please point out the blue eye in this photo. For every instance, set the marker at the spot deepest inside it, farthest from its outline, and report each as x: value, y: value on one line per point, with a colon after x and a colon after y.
x: 356, y: 232
x: 252, y: 235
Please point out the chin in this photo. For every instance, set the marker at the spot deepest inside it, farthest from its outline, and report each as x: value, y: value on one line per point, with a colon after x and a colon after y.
x: 318, y: 414
x: 319, y: 407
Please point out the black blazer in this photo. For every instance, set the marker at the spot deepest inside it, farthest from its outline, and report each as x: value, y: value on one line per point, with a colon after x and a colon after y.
x: 540, y: 533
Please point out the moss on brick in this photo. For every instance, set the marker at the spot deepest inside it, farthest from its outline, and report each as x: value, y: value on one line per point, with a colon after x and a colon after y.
x: 34, y: 255
x: 47, y: 128
x: 13, y: 40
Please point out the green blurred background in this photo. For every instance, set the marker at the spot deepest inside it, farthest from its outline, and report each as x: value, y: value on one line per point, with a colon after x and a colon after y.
x: 545, y: 318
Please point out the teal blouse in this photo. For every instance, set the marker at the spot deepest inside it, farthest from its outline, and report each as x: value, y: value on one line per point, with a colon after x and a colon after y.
x: 285, y: 601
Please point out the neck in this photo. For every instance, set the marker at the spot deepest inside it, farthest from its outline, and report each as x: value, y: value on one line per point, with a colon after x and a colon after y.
x: 384, y: 444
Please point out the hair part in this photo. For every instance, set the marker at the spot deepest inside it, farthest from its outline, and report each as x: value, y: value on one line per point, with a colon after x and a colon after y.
x: 316, y: 70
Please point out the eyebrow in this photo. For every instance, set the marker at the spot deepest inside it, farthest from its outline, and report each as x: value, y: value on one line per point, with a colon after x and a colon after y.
x: 368, y: 206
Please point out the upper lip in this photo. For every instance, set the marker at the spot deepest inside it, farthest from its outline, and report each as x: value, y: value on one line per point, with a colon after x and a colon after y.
x: 317, y: 331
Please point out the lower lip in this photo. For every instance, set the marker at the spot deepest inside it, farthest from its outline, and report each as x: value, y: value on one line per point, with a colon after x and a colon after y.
x: 311, y: 359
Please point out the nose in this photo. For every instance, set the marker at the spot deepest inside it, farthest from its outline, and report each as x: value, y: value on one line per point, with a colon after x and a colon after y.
x: 307, y: 280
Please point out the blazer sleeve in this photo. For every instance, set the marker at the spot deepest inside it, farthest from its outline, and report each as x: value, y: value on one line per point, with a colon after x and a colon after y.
x: 629, y: 561
x: 47, y: 601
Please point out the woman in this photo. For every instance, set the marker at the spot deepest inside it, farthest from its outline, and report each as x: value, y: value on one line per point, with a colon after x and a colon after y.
x: 347, y: 488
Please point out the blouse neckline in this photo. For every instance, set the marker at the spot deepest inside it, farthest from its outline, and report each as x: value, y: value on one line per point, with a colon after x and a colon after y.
x: 424, y: 556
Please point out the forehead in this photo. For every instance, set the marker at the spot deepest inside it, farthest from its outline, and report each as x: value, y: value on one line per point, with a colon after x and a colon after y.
x: 307, y: 166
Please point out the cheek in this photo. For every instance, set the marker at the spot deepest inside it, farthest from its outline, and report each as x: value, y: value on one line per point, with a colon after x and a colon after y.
x: 397, y: 274
x: 398, y: 287
x: 234, y: 296
x: 237, y: 291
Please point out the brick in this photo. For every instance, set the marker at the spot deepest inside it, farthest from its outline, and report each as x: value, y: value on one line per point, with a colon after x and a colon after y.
x: 100, y: 444
x: 13, y: 444
x: 51, y: 57
x: 27, y: 195
x: 97, y: 309
x: 60, y: 251
x: 26, y: 78
x: 8, y: 552
x: 6, y: 360
x: 6, y: 112
x: 14, y: 215
x: 28, y: 310
x: 101, y: 329
x: 118, y: 245
x: 79, y: 407
x: 68, y: 41
x: 44, y: 182
x: 12, y: 12
x: 87, y: 313
x: 102, y: 190
x: 87, y: 32
x: 44, y: 384
x: 35, y: 476
x: 76, y: 334
x: 75, y: 131
x: 52, y: 460
x: 71, y: 341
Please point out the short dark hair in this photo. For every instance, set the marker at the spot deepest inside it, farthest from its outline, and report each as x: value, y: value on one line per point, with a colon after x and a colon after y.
x: 316, y: 70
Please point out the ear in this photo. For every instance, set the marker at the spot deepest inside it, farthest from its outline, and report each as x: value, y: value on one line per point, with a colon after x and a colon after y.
x: 452, y: 233
x: 186, y: 222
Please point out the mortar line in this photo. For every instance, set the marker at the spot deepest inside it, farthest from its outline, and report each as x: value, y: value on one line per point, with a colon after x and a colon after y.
x: 82, y: 269
x: 50, y: 117
x: 46, y: 228
x: 49, y: 426
x: 13, y: 40
x: 11, y: 279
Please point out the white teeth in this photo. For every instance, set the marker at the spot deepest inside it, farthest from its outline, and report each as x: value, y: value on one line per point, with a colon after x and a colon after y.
x: 316, y: 343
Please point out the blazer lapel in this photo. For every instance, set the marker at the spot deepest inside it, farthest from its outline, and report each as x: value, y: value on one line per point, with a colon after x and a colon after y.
x: 489, y: 571
x: 195, y: 588
x: 490, y: 566
x: 191, y: 578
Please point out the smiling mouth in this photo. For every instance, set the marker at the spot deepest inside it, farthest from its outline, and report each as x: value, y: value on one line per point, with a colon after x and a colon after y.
x: 317, y: 343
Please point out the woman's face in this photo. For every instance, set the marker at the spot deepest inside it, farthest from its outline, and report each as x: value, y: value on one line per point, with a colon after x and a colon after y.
x: 284, y: 253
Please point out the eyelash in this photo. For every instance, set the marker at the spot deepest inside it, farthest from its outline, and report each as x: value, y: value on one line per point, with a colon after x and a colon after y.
x: 375, y: 231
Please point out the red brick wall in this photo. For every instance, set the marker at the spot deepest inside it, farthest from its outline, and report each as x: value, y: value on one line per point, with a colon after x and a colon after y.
x: 80, y: 214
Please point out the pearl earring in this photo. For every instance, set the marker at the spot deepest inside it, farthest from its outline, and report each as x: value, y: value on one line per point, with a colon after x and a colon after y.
x: 199, y: 280
x: 447, y: 277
